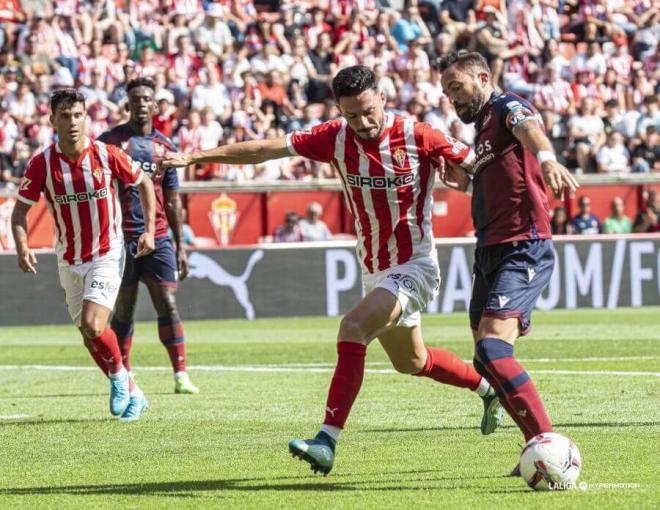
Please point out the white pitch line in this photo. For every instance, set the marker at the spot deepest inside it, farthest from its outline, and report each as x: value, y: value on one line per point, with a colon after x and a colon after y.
x: 289, y: 369
x: 14, y: 416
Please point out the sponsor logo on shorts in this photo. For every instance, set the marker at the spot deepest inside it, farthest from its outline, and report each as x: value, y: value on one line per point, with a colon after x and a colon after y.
x: 503, y: 301
x: 82, y: 197
x: 103, y: 285
x: 404, y: 281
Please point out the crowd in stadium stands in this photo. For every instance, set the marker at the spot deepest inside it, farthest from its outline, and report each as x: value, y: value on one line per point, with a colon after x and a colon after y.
x: 236, y: 70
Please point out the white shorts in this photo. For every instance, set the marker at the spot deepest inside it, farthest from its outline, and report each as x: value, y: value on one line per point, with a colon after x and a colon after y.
x: 414, y: 284
x: 97, y: 281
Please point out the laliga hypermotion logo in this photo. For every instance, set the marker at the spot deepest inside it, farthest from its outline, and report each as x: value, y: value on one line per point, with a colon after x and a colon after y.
x: 203, y: 266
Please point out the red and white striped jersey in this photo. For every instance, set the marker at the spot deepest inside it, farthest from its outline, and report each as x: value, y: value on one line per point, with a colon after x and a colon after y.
x: 387, y: 182
x: 82, y: 197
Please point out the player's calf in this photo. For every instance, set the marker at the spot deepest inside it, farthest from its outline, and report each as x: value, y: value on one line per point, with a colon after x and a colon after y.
x: 517, y: 387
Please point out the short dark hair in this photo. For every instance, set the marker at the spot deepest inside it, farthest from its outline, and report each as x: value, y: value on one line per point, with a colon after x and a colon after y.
x: 352, y: 81
x: 464, y: 59
x: 65, y: 97
x: 140, y: 82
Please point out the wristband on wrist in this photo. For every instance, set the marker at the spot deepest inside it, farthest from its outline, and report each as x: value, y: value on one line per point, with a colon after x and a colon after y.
x: 543, y: 156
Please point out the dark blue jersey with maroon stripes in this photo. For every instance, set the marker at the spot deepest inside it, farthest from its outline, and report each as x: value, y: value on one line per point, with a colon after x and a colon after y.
x: 143, y: 149
x: 509, y: 201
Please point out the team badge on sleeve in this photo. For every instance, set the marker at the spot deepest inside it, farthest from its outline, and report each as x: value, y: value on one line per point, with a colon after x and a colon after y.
x: 25, y: 185
x: 517, y: 113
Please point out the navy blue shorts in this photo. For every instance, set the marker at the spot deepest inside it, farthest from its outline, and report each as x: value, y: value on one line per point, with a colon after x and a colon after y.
x: 508, y: 279
x: 159, y: 265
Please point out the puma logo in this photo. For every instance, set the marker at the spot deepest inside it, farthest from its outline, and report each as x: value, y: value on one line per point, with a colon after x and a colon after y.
x: 202, y: 266
x: 522, y: 413
x: 332, y: 411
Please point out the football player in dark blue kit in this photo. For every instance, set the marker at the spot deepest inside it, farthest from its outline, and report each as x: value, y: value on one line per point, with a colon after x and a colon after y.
x: 161, y: 270
x: 514, y: 258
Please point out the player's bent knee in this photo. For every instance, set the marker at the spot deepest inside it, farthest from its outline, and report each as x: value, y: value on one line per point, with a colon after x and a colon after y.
x: 409, y: 366
x: 351, y: 330
x: 92, y: 331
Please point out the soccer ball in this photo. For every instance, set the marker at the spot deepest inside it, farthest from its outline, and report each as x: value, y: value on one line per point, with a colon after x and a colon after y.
x: 549, y: 462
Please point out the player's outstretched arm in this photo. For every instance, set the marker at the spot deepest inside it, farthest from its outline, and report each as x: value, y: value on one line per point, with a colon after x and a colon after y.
x: 244, y: 153
x: 146, y: 242
x: 531, y: 135
x: 26, y: 257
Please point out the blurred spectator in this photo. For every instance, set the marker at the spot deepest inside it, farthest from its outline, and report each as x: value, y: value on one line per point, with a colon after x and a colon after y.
x: 268, y: 66
x: 648, y: 217
x: 214, y: 34
x: 613, y: 157
x: 553, y: 98
x: 290, y: 231
x: 559, y: 222
x: 617, y: 222
x: 646, y: 152
x: 585, y: 222
x: 409, y: 27
x: 313, y: 228
x: 587, y: 134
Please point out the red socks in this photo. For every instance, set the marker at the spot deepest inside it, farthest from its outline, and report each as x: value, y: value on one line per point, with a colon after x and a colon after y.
x: 170, y: 332
x: 447, y: 368
x: 505, y: 403
x: 124, y: 332
x: 346, y: 382
x: 523, y: 402
x: 105, y: 346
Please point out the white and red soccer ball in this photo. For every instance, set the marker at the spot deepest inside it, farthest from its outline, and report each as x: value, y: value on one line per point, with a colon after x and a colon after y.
x: 550, y: 461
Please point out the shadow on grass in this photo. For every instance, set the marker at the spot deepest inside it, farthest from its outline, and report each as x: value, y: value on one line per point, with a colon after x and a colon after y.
x: 555, y: 425
x: 289, y: 483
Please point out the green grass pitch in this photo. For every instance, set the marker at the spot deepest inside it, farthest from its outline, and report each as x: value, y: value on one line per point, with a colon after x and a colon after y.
x: 409, y: 443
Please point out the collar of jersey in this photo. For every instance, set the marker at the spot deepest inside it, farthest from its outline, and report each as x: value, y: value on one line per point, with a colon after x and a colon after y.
x: 494, y: 95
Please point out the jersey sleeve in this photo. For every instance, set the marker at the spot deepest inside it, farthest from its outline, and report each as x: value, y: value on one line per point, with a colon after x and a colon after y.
x: 317, y: 144
x: 171, y: 179
x: 33, y: 180
x: 438, y: 145
x: 516, y: 111
x: 123, y: 167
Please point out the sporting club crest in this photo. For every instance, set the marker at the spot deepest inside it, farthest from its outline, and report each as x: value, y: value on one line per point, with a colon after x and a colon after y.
x: 98, y: 174
x: 400, y: 157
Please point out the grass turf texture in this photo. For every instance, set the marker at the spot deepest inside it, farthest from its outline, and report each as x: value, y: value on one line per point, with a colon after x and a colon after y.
x: 409, y: 442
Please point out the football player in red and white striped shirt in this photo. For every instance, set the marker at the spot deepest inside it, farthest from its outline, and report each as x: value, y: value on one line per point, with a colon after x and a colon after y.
x: 78, y: 179
x: 386, y: 165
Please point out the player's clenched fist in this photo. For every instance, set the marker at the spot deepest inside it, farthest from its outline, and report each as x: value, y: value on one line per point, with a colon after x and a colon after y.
x: 145, y: 245
x: 26, y: 261
x: 453, y: 176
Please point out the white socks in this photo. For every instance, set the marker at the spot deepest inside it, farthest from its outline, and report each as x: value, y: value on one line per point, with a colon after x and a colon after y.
x: 333, y: 432
x: 483, y: 387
